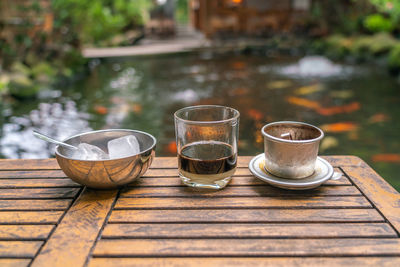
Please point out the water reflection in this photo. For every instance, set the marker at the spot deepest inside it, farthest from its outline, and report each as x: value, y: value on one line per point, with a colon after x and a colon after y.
x: 54, y: 119
x: 357, y: 107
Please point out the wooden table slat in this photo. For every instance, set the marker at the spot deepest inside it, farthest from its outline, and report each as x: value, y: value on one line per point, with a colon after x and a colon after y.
x: 243, y: 202
x: 249, y: 230
x: 383, y: 195
x: 248, y: 247
x: 244, y: 262
x: 32, y: 174
x: 159, y: 162
x: 236, y: 181
x: 29, y: 193
x: 19, y: 249
x: 354, y: 220
x: 30, y: 217
x: 14, y: 262
x: 29, y: 164
x: 246, y: 215
x: 16, y: 232
x: 168, y: 173
x: 71, y: 242
x: 243, y: 161
x: 34, y: 204
x: 237, y: 191
x: 37, y: 183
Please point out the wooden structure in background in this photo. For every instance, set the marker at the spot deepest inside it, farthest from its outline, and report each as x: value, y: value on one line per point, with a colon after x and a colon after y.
x: 251, y: 17
x: 25, y: 17
x: 48, y: 220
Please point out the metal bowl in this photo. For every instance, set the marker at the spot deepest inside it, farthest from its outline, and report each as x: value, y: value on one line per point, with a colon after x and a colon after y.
x: 107, y: 174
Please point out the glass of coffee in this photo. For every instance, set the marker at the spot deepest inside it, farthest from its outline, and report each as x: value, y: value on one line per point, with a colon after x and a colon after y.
x: 206, y: 138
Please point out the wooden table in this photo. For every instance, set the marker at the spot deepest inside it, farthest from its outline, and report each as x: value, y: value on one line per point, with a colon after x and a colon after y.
x: 48, y: 220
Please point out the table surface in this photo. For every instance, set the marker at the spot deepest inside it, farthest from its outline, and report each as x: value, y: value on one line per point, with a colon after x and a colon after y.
x: 48, y: 220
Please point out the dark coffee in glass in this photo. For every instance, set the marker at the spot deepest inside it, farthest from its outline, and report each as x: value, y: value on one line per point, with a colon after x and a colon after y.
x: 207, y: 145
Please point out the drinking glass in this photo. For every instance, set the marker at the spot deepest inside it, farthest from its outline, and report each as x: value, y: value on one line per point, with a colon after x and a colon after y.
x: 206, y: 138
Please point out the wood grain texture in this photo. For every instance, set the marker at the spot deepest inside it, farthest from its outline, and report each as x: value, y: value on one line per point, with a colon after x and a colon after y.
x: 36, y: 183
x: 19, y: 249
x: 159, y: 163
x: 16, y: 232
x: 248, y: 247
x: 243, y: 161
x: 30, y: 217
x: 29, y: 164
x: 14, y: 262
x: 238, y: 191
x: 34, y: 204
x: 244, y: 262
x: 248, y: 230
x: 71, y: 242
x: 382, y: 194
x: 242, y: 202
x: 248, y: 223
x: 31, y: 193
x: 32, y: 174
x: 244, y: 215
x: 236, y: 181
x: 172, y: 162
x: 164, y: 173
x: 344, y: 161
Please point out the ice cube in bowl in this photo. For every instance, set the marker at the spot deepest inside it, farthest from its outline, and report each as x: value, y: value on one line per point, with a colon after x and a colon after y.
x: 89, y: 152
x: 107, y: 173
x: 123, y: 147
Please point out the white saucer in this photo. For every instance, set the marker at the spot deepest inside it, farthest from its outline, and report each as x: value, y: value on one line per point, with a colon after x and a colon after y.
x: 323, y: 172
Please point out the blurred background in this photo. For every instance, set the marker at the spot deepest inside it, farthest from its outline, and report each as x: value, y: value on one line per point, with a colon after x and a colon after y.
x: 69, y: 66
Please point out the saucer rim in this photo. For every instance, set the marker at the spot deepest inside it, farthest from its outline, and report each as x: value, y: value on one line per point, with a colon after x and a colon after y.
x: 288, y: 184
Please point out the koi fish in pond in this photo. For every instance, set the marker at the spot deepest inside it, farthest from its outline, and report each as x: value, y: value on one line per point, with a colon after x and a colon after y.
x: 339, y: 127
x: 238, y: 65
x: 171, y: 147
x: 354, y: 106
x: 279, y: 84
x: 378, y: 117
x: 255, y: 114
x: 391, y: 158
x: 310, y: 89
x: 102, y: 110
x: 325, y: 111
x: 303, y: 102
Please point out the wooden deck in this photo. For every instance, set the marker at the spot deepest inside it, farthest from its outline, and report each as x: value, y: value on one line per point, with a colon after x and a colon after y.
x: 48, y: 220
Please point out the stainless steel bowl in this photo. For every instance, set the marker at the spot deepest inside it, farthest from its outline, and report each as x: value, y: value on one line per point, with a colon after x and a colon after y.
x: 291, y: 148
x: 107, y: 174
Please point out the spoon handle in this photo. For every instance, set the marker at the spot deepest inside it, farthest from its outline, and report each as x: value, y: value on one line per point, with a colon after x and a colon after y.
x: 51, y: 140
x: 336, y: 176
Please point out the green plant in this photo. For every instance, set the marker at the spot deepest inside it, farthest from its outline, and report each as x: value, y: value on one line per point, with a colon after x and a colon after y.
x: 378, y: 23
x: 391, y: 7
x: 394, y: 58
x: 98, y: 20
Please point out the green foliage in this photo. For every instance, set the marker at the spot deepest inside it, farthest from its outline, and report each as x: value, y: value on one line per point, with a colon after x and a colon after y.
x: 98, y: 20
x: 378, y: 23
x: 375, y: 45
x: 391, y: 7
x: 182, y: 11
x: 361, y: 48
x: 394, y: 58
x: 25, y: 82
x: 338, y: 46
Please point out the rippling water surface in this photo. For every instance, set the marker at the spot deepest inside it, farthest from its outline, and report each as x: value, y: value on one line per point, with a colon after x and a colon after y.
x: 358, y: 107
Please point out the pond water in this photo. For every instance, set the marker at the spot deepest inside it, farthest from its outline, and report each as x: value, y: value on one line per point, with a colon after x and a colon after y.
x: 358, y: 107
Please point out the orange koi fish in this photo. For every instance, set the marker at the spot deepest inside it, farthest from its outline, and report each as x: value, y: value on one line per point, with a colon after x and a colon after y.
x: 339, y: 127
x: 392, y: 158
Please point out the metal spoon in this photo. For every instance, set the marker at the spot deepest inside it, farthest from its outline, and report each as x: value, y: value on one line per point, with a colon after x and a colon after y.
x: 51, y: 140
x: 336, y: 176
